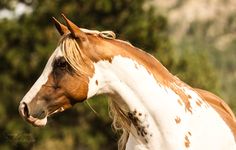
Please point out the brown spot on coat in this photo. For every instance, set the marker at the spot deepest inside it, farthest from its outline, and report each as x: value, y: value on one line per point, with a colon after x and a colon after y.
x: 199, y: 103
x: 180, y: 102
x: 189, y: 133
x: 177, y: 120
x: 96, y: 82
x: 186, y: 142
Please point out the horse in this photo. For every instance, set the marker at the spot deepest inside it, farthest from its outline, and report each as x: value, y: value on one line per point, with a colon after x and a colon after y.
x: 154, y: 109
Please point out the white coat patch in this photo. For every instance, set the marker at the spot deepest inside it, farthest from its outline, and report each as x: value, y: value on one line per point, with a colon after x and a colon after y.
x: 140, y: 91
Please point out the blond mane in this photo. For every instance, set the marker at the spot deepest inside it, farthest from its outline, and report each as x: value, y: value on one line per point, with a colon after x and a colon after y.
x: 120, y: 123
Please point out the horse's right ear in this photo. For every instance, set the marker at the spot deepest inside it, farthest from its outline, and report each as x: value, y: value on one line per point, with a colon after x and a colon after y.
x: 62, y: 29
x: 75, y: 31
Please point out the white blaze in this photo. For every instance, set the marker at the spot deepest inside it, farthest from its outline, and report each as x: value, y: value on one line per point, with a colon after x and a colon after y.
x: 42, y: 79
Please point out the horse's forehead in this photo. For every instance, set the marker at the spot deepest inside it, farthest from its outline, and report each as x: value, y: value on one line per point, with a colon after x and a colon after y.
x: 57, y: 53
x: 43, y: 78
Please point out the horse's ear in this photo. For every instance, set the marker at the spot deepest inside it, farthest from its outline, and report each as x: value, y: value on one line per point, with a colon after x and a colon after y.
x: 62, y: 29
x: 74, y: 29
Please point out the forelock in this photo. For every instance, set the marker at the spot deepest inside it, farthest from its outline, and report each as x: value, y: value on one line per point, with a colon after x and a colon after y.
x: 74, y: 55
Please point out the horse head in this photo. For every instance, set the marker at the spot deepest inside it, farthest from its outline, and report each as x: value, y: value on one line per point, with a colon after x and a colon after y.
x: 65, y: 78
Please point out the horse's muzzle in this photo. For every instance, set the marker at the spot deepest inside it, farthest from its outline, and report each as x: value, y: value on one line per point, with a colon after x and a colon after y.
x: 24, y: 112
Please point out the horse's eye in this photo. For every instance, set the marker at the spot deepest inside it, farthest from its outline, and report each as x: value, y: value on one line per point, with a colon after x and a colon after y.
x: 61, y: 63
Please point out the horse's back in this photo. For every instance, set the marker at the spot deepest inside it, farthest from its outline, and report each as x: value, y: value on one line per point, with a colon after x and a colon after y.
x: 221, y: 107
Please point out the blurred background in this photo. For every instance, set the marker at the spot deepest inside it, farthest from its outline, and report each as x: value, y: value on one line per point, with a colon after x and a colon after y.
x: 195, y: 40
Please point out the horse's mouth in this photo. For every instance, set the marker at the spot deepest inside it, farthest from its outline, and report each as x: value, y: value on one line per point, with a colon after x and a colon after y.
x: 60, y: 109
x: 42, y: 122
x: 38, y: 122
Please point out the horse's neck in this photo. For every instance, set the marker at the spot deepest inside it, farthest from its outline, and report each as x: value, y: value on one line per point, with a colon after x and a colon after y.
x: 141, y: 97
x: 158, y: 114
x: 132, y: 83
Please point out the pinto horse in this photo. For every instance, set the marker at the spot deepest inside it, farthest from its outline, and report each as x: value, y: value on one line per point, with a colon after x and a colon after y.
x: 155, y: 109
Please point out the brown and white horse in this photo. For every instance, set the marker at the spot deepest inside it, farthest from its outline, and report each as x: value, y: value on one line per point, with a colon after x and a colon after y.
x: 155, y: 109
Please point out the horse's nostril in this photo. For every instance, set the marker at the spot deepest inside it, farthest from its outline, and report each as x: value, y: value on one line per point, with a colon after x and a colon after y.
x: 26, y: 110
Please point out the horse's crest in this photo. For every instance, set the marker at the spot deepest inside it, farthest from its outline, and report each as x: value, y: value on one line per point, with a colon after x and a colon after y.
x: 154, y: 109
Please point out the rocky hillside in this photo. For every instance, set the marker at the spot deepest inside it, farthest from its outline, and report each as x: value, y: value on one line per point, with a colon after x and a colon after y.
x: 217, y: 18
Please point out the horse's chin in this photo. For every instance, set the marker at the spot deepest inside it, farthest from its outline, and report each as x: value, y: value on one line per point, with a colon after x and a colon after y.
x: 39, y: 122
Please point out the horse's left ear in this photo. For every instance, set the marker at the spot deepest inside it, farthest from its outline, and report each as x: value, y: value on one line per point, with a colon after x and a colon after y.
x: 62, y: 29
x: 74, y: 29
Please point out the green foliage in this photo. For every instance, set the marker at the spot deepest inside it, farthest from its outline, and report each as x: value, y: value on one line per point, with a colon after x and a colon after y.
x: 26, y: 43
x: 226, y: 64
x: 194, y: 66
x: 220, y: 50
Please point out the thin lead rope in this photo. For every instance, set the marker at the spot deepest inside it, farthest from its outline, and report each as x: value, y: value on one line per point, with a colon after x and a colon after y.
x: 92, y: 108
x: 103, y: 34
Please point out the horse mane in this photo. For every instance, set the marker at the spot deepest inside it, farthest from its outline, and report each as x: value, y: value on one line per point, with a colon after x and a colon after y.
x: 73, y: 54
x: 120, y: 122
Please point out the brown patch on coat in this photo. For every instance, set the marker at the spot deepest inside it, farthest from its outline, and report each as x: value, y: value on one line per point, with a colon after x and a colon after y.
x: 96, y: 82
x: 183, y: 96
x: 51, y: 95
x: 138, y: 124
x: 186, y: 141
